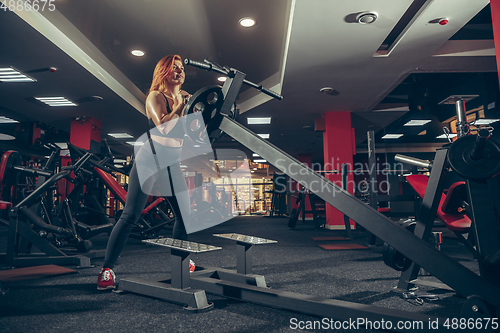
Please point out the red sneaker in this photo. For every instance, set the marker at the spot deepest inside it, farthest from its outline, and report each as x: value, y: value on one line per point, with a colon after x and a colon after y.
x: 106, y: 279
x: 192, y: 266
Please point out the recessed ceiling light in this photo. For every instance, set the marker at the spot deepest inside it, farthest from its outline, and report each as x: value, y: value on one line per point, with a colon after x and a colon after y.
x: 222, y: 78
x: 255, y: 155
x: 13, y: 75
x: 118, y: 166
x: 138, y: 53
x: 120, y: 160
x: 120, y: 135
x: 62, y: 145
x: 485, y: 121
x: 5, y: 120
x: 392, y: 136
x: 55, y: 101
x: 419, y: 122
x: 259, y: 121
x: 329, y: 91
x: 264, y: 136
x: 260, y: 161
x: 247, y: 22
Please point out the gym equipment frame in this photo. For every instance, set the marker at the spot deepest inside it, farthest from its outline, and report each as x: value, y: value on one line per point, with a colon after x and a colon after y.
x: 461, y: 279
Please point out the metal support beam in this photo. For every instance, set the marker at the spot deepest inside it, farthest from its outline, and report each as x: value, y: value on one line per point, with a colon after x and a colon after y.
x: 313, y: 305
x: 435, y: 262
x: 427, y: 213
x: 244, y: 258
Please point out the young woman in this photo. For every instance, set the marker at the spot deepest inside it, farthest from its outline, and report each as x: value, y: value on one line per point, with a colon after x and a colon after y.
x: 164, y: 108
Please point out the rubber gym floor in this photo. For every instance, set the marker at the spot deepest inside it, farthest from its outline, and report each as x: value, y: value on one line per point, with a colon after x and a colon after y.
x: 71, y: 303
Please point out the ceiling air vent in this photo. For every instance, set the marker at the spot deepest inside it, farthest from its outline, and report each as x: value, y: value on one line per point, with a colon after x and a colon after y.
x: 404, y: 23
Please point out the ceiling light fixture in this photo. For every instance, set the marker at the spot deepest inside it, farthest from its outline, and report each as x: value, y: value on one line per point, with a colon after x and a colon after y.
x: 264, y: 136
x: 6, y: 137
x: 260, y: 161
x: 446, y: 136
x: 222, y: 78
x: 259, y: 121
x: 120, y: 135
x: 247, y: 22
x: 392, y: 136
x: 13, y: 75
x: 417, y: 122
x: 55, y: 101
x: 120, y: 160
x: 366, y: 18
x: 135, y: 143
x: 5, y: 120
x: 485, y: 121
x: 138, y: 53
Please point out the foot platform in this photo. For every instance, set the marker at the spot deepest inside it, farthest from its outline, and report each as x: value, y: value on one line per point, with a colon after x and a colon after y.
x: 244, y: 251
x: 178, y: 290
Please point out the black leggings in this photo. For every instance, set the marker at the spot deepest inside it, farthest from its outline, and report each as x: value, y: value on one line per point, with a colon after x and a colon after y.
x: 136, y: 201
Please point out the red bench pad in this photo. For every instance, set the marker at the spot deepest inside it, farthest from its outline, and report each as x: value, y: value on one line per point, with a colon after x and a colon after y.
x: 454, y: 222
x: 5, y: 205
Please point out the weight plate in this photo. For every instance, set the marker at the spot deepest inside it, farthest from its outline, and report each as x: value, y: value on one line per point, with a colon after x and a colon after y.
x: 208, y: 101
x: 486, y: 167
x: 392, y: 257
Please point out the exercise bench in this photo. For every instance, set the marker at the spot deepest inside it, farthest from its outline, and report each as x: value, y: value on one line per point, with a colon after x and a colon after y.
x: 178, y: 288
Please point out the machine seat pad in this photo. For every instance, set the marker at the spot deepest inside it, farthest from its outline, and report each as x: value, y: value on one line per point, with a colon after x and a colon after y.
x: 455, y: 222
x: 4, y: 205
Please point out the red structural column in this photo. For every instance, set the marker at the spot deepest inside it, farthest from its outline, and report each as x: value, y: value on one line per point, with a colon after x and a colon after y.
x: 338, y: 148
x: 85, y: 133
x: 495, y: 18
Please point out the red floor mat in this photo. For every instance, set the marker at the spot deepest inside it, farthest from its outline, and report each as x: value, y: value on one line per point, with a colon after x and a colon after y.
x: 35, y: 272
x: 331, y: 238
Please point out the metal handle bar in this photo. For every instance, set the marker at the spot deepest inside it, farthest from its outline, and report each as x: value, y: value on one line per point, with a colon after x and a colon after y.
x: 209, y: 66
x: 413, y: 161
x: 35, y: 172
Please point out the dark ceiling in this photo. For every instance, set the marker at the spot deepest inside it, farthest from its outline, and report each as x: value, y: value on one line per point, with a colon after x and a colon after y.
x: 296, y: 48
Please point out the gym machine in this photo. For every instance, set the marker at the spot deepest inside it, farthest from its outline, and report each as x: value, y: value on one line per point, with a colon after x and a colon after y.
x: 218, y: 120
x: 38, y: 221
x: 471, y: 206
x: 155, y: 216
